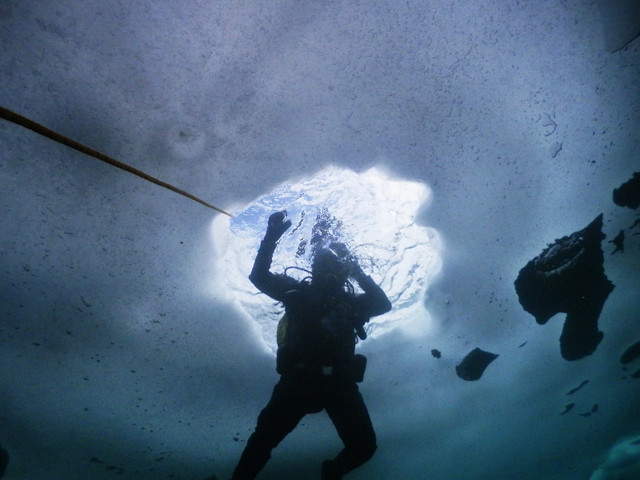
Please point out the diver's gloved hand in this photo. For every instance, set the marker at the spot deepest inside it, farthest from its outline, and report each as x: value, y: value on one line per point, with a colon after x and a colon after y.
x: 353, y: 267
x: 277, y: 226
x: 348, y: 259
x: 354, y: 270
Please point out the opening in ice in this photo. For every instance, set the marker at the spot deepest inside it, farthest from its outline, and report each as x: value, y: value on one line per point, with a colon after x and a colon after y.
x: 372, y: 214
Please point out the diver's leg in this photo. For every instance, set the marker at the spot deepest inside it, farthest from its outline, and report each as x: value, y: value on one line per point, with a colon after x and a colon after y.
x: 349, y: 414
x: 275, y: 421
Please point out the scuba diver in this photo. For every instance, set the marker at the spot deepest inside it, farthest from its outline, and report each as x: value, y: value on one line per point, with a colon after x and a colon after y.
x: 315, y: 359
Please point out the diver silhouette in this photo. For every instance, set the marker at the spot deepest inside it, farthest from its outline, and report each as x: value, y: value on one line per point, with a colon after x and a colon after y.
x: 315, y: 359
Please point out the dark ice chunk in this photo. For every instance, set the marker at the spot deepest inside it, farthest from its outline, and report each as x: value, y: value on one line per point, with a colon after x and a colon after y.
x: 631, y: 353
x: 588, y: 413
x: 628, y: 194
x: 567, y: 408
x: 571, y: 392
x: 474, y: 364
x: 618, y: 242
x: 568, y: 276
x: 436, y: 353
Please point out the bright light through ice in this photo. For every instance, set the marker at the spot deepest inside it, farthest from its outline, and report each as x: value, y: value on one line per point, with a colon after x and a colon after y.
x: 370, y: 213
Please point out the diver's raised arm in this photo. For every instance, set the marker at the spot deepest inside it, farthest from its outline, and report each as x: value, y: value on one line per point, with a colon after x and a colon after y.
x: 374, y: 300
x: 260, y: 275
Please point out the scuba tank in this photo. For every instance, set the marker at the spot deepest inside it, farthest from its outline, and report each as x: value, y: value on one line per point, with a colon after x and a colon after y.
x: 310, y: 338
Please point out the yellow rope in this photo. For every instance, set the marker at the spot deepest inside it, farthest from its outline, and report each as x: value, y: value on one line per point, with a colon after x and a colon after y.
x: 36, y: 127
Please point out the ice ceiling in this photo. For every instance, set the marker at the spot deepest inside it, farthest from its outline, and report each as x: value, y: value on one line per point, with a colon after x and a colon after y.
x: 491, y: 132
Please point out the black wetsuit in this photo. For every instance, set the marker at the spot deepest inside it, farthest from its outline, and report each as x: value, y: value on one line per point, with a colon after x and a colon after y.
x: 315, y: 365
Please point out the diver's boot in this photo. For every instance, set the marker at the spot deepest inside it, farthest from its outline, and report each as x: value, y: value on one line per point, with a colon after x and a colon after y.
x: 331, y: 470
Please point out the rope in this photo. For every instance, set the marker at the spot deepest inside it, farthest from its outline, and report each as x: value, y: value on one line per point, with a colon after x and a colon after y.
x: 56, y: 137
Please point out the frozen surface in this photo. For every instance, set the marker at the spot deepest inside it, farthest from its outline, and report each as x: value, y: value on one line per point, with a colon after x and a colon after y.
x: 454, y: 141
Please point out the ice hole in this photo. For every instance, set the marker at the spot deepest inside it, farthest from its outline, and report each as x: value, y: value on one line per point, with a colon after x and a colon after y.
x: 373, y: 214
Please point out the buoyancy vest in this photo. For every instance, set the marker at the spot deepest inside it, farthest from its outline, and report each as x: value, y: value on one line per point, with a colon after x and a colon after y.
x: 315, y: 331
